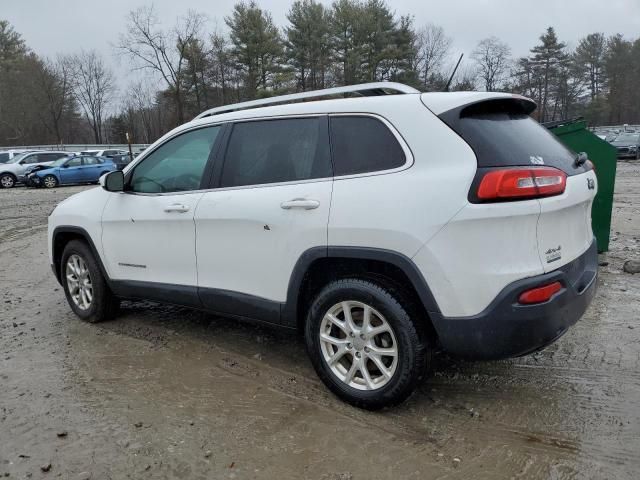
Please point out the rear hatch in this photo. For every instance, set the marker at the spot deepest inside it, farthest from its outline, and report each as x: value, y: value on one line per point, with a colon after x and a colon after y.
x: 505, y: 140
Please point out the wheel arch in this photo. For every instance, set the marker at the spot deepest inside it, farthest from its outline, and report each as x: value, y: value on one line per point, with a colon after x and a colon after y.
x: 318, y: 265
x: 55, y: 175
x: 62, y: 235
x: 6, y: 172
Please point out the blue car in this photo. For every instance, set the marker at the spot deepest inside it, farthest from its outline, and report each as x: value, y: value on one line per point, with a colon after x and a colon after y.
x: 78, y: 169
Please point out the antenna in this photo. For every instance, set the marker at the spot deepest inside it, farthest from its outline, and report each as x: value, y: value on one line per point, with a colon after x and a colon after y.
x: 446, y: 89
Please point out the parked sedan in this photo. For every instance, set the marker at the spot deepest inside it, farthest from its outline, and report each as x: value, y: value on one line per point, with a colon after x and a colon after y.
x: 627, y: 145
x: 78, y: 169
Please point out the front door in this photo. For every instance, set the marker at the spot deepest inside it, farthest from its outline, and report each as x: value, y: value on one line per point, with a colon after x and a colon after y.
x: 72, y: 171
x: 271, y: 204
x: 148, y: 231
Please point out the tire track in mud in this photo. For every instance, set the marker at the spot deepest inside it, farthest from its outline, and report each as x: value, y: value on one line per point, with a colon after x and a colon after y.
x: 571, y: 411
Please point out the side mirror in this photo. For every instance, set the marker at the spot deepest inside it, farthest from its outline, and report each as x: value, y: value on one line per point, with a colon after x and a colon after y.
x: 112, y: 181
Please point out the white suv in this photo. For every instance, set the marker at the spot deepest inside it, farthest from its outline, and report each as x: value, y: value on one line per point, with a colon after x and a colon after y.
x: 383, y: 226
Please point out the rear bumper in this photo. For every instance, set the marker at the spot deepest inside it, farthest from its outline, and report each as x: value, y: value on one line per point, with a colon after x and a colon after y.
x: 508, y: 329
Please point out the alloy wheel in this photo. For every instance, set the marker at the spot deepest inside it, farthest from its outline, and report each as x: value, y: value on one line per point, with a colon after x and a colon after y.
x: 49, y: 181
x: 358, y: 345
x: 79, y: 282
x: 7, y: 181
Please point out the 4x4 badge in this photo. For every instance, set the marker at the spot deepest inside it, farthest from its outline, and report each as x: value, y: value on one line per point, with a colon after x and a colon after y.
x: 591, y: 184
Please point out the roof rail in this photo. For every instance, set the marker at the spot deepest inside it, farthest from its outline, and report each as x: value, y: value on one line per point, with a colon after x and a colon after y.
x: 364, y: 89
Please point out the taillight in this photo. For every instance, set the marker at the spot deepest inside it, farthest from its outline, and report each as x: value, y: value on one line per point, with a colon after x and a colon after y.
x: 521, y: 183
x: 540, y: 294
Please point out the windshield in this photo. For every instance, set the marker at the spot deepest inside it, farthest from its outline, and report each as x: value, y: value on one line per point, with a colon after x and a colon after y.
x: 627, y: 137
x: 19, y: 157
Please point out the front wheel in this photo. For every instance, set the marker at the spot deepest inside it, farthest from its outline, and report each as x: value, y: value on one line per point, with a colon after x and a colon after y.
x: 364, y: 345
x: 50, y: 181
x: 84, y: 285
x: 7, y: 180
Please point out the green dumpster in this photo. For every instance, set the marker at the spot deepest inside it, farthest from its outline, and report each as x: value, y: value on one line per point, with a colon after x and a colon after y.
x: 574, y: 134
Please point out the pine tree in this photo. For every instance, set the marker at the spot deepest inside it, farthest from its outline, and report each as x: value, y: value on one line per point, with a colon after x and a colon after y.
x: 307, y: 43
x: 257, y: 46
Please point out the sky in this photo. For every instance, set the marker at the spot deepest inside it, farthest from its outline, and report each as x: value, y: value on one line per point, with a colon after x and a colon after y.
x: 66, y: 26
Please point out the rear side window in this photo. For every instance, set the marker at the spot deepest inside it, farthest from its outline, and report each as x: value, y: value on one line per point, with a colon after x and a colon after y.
x: 91, y: 161
x: 501, y: 134
x: 272, y: 151
x: 363, y: 144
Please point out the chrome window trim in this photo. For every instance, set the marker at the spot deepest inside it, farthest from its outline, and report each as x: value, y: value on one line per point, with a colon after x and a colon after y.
x: 409, y: 157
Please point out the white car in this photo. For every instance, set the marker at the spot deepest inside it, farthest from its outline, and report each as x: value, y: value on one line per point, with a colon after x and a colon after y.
x: 6, y: 155
x: 15, y: 170
x: 104, y: 153
x: 383, y: 226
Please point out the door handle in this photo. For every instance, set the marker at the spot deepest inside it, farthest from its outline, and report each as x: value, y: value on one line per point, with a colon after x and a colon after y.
x: 300, y: 203
x: 176, y: 207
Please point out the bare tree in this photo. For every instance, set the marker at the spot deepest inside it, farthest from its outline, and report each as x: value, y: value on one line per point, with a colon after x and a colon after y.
x: 55, y: 82
x: 433, y: 47
x: 493, y: 58
x: 94, y: 87
x: 143, y: 100
x: 162, y: 51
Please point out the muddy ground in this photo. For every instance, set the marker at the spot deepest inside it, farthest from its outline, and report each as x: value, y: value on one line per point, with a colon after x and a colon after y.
x: 164, y: 392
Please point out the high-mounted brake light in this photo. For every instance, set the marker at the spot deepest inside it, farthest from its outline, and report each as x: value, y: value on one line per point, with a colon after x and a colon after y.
x: 520, y: 183
x: 540, y: 294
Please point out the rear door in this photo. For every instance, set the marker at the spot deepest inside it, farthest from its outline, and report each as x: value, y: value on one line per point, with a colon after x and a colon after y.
x: 91, y: 168
x: 270, y: 204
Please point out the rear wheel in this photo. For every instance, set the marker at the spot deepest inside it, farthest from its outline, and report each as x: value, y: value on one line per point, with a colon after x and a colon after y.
x: 50, y: 181
x: 7, y: 180
x: 364, y: 345
x: 85, y: 287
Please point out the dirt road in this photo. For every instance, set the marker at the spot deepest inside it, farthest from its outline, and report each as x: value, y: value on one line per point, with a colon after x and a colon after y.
x: 164, y: 392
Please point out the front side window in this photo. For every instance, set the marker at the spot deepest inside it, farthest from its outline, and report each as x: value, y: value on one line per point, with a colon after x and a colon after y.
x: 363, y: 144
x: 272, y: 151
x: 74, y: 162
x: 177, y: 165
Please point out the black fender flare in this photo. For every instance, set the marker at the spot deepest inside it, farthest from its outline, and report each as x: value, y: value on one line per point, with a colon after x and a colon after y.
x: 289, y: 312
x: 77, y: 231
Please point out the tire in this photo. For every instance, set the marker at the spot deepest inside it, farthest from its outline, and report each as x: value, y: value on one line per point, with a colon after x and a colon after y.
x: 103, y: 305
x: 50, y: 181
x: 7, y: 180
x: 405, y: 333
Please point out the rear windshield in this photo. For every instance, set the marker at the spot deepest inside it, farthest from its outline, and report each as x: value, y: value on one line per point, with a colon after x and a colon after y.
x: 502, y: 135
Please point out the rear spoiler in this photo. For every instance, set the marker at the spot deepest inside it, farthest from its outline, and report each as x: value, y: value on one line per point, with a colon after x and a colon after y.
x: 468, y: 102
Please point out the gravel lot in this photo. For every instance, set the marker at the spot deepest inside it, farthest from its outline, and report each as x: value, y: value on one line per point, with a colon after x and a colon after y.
x: 164, y: 392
